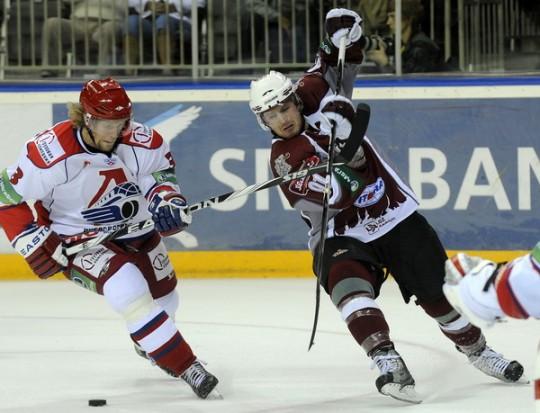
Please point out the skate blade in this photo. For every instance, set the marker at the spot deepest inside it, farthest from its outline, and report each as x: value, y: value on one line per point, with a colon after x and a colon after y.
x: 214, y: 395
x: 405, y: 394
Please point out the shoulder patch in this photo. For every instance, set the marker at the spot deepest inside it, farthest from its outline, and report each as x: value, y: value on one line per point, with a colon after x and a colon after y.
x: 47, y: 148
x: 144, y: 137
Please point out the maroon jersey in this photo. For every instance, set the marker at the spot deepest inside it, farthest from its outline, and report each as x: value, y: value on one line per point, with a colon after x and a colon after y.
x: 384, y: 202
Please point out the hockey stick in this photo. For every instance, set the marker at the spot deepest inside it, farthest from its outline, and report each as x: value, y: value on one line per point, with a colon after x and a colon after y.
x: 91, y: 239
x: 326, y: 195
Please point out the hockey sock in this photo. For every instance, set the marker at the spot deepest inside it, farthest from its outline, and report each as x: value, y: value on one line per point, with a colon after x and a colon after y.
x: 454, y: 326
x: 352, y: 292
x: 164, y: 344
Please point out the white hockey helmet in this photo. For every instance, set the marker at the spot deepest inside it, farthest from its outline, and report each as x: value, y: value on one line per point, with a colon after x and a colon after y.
x: 269, y: 91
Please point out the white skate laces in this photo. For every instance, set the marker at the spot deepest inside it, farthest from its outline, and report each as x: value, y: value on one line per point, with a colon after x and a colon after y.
x: 201, y: 381
x: 495, y: 365
x: 395, y: 379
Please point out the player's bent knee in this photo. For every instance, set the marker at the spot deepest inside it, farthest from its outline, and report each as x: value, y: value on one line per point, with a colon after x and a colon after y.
x: 169, y: 303
x: 125, y: 288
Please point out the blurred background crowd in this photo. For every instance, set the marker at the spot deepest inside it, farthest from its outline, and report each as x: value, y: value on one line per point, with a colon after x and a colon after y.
x: 215, y: 38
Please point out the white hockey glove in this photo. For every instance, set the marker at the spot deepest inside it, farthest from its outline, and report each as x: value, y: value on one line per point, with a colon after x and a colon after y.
x: 42, y: 249
x: 345, y: 186
x: 469, y: 287
x: 169, y: 213
x: 339, y: 110
x: 343, y: 22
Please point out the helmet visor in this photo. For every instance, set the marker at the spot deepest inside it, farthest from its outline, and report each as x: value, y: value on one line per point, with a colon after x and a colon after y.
x: 108, y: 126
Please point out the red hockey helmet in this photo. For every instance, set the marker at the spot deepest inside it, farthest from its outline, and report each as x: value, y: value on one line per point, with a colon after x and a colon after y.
x: 105, y: 99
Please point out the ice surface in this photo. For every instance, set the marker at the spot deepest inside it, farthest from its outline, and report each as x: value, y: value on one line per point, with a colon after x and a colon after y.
x: 61, y: 346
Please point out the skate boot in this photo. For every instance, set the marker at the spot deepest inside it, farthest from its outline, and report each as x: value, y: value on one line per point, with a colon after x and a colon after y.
x: 201, y: 381
x: 494, y: 364
x: 395, y: 379
x: 140, y: 352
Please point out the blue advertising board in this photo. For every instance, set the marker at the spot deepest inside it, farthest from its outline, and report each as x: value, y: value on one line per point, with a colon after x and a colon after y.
x: 474, y: 163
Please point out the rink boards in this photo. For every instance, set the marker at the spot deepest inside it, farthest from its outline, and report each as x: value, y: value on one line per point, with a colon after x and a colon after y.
x: 468, y: 147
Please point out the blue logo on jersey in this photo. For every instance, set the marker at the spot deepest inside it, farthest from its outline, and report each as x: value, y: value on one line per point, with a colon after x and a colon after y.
x: 120, y: 204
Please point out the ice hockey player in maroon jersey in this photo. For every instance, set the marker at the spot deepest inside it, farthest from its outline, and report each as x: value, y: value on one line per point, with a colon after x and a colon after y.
x: 96, y: 172
x: 373, y: 226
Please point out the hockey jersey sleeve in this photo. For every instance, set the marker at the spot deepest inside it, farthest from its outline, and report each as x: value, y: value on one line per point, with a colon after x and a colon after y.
x: 518, y: 286
x: 156, y: 165
x: 30, y: 178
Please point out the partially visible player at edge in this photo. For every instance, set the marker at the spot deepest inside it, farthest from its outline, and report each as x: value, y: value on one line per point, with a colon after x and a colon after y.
x: 373, y: 219
x: 486, y: 292
x: 97, y: 171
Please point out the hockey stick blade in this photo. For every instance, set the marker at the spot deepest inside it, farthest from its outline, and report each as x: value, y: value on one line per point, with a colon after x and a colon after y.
x: 358, y: 130
x: 92, y: 239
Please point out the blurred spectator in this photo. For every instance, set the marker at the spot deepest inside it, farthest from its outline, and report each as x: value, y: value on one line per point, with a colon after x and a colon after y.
x: 280, y: 16
x: 374, y: 14
x: 93, y: 24
x: 169, y: 20
x: 418, y: 52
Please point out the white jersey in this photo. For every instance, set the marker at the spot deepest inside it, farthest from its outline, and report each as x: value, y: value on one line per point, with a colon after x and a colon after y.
x: 518, y: 286
x: 79, y: 189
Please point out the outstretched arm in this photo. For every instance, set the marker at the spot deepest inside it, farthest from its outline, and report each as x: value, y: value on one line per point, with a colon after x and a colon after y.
x: 486, y: 292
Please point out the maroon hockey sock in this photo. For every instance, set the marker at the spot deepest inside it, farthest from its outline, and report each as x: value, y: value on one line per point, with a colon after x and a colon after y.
x: 452, y: 324
x: 369, y: 329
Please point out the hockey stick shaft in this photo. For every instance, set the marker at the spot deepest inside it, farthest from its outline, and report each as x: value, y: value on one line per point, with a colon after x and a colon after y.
x: 87, y: 240
x: 326, y: 194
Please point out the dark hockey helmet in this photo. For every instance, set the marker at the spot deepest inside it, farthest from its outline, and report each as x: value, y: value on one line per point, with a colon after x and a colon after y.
x: 105, y: 99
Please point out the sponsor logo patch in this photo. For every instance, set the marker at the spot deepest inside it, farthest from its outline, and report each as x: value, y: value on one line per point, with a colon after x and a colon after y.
x: 371, y: 194
x: 49, y: 147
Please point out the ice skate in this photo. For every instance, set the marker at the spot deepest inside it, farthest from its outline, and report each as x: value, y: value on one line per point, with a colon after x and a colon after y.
x: 140, y: 352
x: 395, y: 379
x: 495, y: 365
x: 201, y: 381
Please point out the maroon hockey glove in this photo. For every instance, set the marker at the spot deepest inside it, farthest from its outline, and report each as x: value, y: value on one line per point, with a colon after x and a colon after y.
x: 42, y: 250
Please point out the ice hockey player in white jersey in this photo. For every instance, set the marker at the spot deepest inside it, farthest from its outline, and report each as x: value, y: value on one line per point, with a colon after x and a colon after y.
x: 487, y: 292
x: 373, y: 220
x: 99, y: 171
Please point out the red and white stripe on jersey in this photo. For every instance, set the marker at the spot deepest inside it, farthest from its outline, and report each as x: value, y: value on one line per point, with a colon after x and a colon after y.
x: 507, y: 298
x: 15, y: 219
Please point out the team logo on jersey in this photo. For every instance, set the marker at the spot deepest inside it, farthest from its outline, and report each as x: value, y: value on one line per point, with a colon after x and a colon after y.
x: 120, y: 204
x: 371, y: 194
x: 49, y: 147
x: 303, y: 185
x: 142, y: 135
x: 280, y: 164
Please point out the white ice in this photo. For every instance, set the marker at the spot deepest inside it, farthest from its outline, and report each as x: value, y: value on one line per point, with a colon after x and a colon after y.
x: 61, y: 345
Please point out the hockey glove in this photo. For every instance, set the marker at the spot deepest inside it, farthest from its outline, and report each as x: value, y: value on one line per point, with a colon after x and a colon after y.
x: 42, y: 249
x: 469, y: 287
x: 169, y: 214
x: 343, y: 22
x: 338, y: 110
x: 345, y: 186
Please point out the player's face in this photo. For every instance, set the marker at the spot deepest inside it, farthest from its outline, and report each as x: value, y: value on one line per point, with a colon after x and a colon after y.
x: 106, y: 132
x: 285, y: 120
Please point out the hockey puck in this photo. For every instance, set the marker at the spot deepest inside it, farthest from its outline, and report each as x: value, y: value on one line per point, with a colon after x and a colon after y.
x: 97, y: 402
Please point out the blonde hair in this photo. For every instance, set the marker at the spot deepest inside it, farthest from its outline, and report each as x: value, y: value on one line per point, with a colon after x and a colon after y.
x: 76, y: 114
